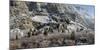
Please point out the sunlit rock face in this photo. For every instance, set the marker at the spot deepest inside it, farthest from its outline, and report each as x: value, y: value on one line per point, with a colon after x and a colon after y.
x: 38, y: 24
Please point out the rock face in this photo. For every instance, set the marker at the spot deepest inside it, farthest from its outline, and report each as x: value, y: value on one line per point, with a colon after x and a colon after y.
x: 37, y: 24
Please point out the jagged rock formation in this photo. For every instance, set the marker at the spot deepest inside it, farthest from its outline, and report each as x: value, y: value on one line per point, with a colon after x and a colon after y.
x: 37, y: 24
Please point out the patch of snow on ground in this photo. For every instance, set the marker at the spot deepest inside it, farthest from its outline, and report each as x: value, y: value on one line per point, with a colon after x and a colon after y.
x: 42, y: 19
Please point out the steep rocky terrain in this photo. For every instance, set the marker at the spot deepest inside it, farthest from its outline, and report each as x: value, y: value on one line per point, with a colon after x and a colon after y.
x: 38, y: 25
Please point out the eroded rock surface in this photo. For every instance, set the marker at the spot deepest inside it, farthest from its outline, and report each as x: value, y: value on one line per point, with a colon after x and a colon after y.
x: 38, y: 25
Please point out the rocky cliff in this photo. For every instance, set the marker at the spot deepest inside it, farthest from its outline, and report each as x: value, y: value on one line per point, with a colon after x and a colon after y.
x: 37, y: 24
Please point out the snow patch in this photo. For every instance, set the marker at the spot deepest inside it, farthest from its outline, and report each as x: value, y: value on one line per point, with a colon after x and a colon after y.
x: 42, y: 19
